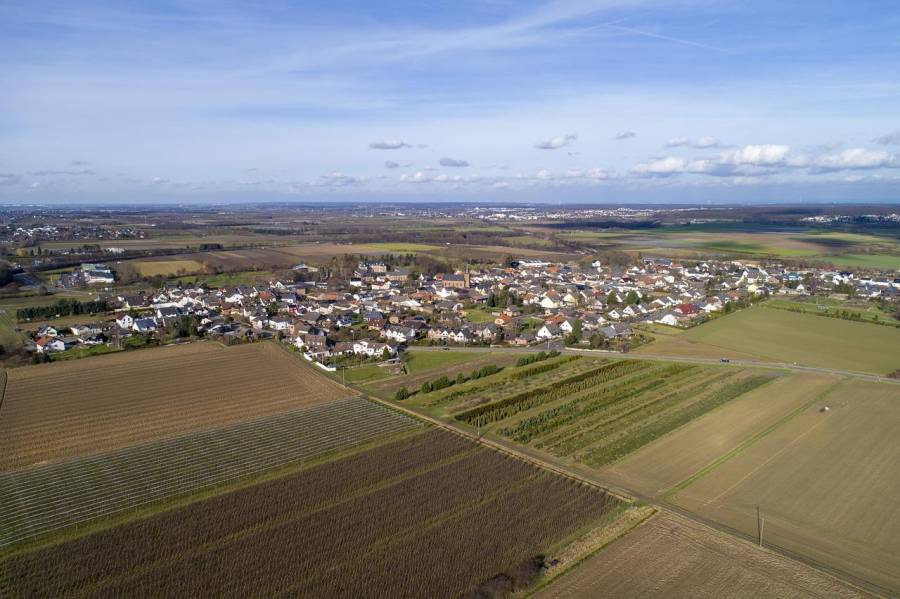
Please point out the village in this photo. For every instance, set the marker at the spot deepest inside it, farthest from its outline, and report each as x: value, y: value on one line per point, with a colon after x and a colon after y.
x: 380, y: 310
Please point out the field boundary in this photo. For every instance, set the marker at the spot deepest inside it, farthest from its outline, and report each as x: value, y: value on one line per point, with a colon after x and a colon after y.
x: 628, y: 521
x: 741, y: 447
x: 502, y: 448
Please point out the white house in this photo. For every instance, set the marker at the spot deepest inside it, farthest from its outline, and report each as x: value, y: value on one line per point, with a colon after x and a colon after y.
x: 548, y: 331
x: 145, y: 325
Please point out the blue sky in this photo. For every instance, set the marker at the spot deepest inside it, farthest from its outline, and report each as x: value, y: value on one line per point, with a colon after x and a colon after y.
x: 554, y: 101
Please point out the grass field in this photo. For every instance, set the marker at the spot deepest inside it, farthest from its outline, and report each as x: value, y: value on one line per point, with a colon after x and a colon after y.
x: 419, y: 361
x: 671, y: 557
x: 826, y: 483
x: 880, y: 261
x: 479, y: 315
x: 867, y: 312
x: 773, y: 335
x: 50, y: 498
x: 365, y: 374
x: 64, y: 410
x: 153, y: 268
x: 431, y: 515
x: 464, y: 362
x: 231, y: 279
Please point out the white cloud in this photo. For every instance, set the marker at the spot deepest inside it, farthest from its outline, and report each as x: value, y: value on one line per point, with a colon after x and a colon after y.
x: 891, y: 139
x: 707, y: 142
x: 557, y: 142
x: 662, y: 167
x: 452, y: 162
x: 391, y: 164
x: 855, y: 158
x: 757, y: 155
x: 389, y: 144
x: 701, y: 143
x: 676, y: 142
x: 626, y: 135
x: 339, y: 179
x: 417, y: 177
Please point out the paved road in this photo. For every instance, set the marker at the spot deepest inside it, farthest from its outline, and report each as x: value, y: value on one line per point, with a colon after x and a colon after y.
x: 660, y: 357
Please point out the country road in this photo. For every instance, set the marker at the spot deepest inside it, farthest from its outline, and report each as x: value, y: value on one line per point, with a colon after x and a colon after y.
x: 663, y: 358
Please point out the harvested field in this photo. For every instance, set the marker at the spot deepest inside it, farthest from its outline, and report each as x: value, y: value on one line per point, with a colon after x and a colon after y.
x: 430, y: 515
x: 773, y: 335
x: 53, y: 497
x: 666, y: 462
x: 63, y: 410
x: 601, y: 415
x: 827, y: 484
x: 671, y: 557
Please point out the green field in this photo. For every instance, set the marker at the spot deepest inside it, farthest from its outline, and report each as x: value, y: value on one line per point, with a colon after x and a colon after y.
x: 773, y: 335
x: 365, y: 374
x: 231, y: 279
x: 834, y: 308
x: 881, y: 261
x: 484, y: 314
x: 166, y: 267
x: 418, y: 361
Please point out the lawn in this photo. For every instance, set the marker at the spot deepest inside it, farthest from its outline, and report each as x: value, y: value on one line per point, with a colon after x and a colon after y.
x: 478, y: 315
x: 365, y: 374
x: 772, y: 335
x: 418, y: 361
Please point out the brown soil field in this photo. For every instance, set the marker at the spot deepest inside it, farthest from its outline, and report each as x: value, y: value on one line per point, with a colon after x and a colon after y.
x: 827, y: 484
x: 671, y: 557
x: 677, y: 456
x: 433, y: 515
x: 68, y: 409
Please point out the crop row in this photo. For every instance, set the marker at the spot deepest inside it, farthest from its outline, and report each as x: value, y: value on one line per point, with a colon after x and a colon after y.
x: 618, y: 419
x: 610, y: 450
x: 541, y: 368
x: 113, y: 411
x: 506, y: 384
x: 509, y: 406
x: 584, y: 405
x: 430, y: 515
x: 60, y: 495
